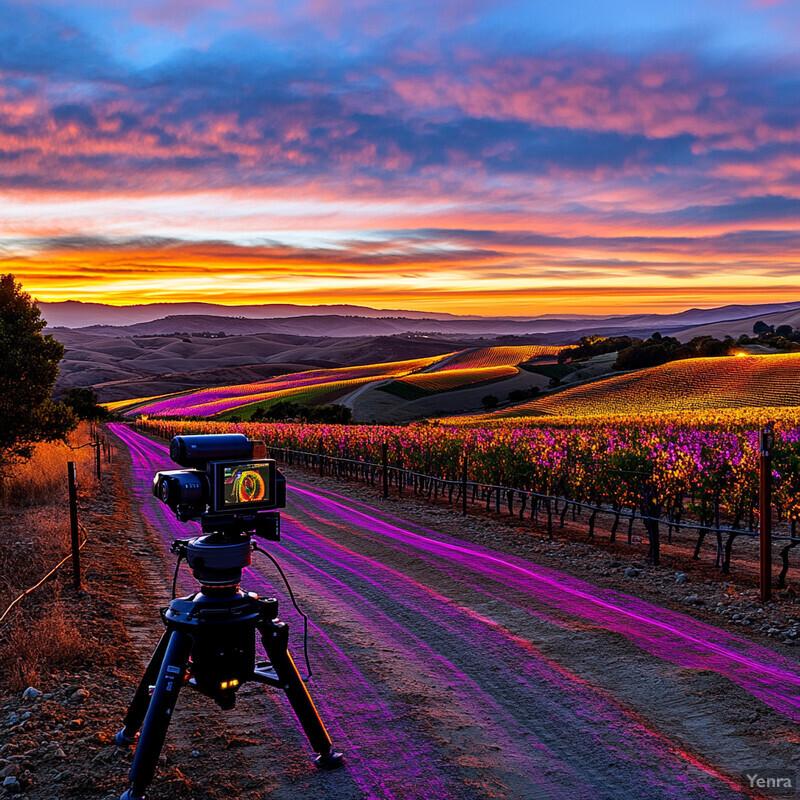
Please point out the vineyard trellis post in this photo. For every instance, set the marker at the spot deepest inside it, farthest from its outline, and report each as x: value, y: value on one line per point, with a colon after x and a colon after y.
x: 765, y: 510
x: 651, y: 512
x: 385, y: 464
x: 464, y: 486
x: 73, y: 525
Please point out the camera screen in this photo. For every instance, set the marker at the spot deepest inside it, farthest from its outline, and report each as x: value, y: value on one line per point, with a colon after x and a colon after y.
x: 243, y: 484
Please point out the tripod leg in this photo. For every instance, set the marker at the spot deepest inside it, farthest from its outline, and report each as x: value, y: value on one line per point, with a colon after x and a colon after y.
x: 171, y: 673
x: 141, y: 700
x: 275, y: 637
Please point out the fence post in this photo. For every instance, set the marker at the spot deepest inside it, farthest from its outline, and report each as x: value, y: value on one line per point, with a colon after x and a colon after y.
x: 464, y: 486
x: 97, y: 458
x: 385, y: 461
x: 73, y: 524
x: 765, y: 511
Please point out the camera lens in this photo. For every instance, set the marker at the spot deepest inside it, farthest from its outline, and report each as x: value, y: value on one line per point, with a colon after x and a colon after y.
x: 163, y: 491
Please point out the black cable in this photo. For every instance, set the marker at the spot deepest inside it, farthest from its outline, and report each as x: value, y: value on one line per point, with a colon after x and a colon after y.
x: 294, y: 603
x: 175, y: 577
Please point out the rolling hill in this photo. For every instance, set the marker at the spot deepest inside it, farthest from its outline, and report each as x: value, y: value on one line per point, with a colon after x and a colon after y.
x: 693, y: 384
x: 405, y: 380
x: 504, y: 356
x: 312, y: 386
x: 449, y: 379
x: 735, y: 328
x: 75, y: 314
x: 140, y: 366
x: 468, y: 368
x: 455, y: 383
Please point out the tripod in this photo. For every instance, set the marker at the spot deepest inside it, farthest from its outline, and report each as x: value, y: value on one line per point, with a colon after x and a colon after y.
x: 209, y: 644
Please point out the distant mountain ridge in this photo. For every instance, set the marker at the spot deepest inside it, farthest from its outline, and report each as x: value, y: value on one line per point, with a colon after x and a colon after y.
x: 350, y: 320
x: 334, y: 325
x: 77, y: 314
x: 362, y: 321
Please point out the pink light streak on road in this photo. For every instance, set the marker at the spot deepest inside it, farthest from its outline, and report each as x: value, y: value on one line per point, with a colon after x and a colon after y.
x: 340, y: 581
x: 677, y: 637
x: 354, y: 695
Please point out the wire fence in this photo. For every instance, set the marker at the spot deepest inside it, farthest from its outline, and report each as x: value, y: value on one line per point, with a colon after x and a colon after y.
x: 50, y: 574
x: 101, y: 445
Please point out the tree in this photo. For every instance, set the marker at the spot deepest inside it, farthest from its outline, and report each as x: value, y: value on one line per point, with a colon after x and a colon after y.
x: 784, y: 330
x: 762, y: 327
x: 28, y: 372
x: 595, y: 345
x: 489, y: 401
x: 83, y: 402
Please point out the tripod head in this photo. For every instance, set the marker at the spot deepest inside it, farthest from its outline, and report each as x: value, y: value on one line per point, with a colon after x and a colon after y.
x: 218, y: 557
x: 221, y: 616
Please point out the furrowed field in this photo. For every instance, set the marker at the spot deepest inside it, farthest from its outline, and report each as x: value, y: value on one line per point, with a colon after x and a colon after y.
x: 702, y: 466
x: 440, y: 373
x: 697, y: 383
x: 320, y: 385
x: 449, y: 379
x: 498, y: 356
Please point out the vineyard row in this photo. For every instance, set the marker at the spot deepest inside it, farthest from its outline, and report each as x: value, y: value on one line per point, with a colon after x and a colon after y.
x: 702, y: 483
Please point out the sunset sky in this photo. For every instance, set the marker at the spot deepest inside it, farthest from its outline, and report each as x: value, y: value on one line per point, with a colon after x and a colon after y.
x: 495, y: 157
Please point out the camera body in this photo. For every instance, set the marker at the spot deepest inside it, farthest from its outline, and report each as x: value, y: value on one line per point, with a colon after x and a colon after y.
x: 229, y: 484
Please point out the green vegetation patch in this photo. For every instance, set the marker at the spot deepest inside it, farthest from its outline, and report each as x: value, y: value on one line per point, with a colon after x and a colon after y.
x: 286, y: 410
x: 634, y: 353
x: 405, y: 391
x: 317, y: 394
x: 558, y: 371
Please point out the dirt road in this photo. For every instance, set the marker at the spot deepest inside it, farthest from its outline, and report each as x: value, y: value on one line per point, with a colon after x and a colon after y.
x: 445, y: 669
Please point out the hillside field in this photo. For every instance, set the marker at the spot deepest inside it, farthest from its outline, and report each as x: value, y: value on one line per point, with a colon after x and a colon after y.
x: 503, y: 356
x: 693, y: 384
x: 398, y: 383
x: 319, y: 384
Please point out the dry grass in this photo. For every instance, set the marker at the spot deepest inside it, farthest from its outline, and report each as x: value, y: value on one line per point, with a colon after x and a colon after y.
x: 48, y: 641
x: 42, y: 480
x: 34, y: 537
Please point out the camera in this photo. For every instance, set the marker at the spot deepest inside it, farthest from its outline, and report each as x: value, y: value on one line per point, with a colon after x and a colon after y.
x: 229, y: 483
